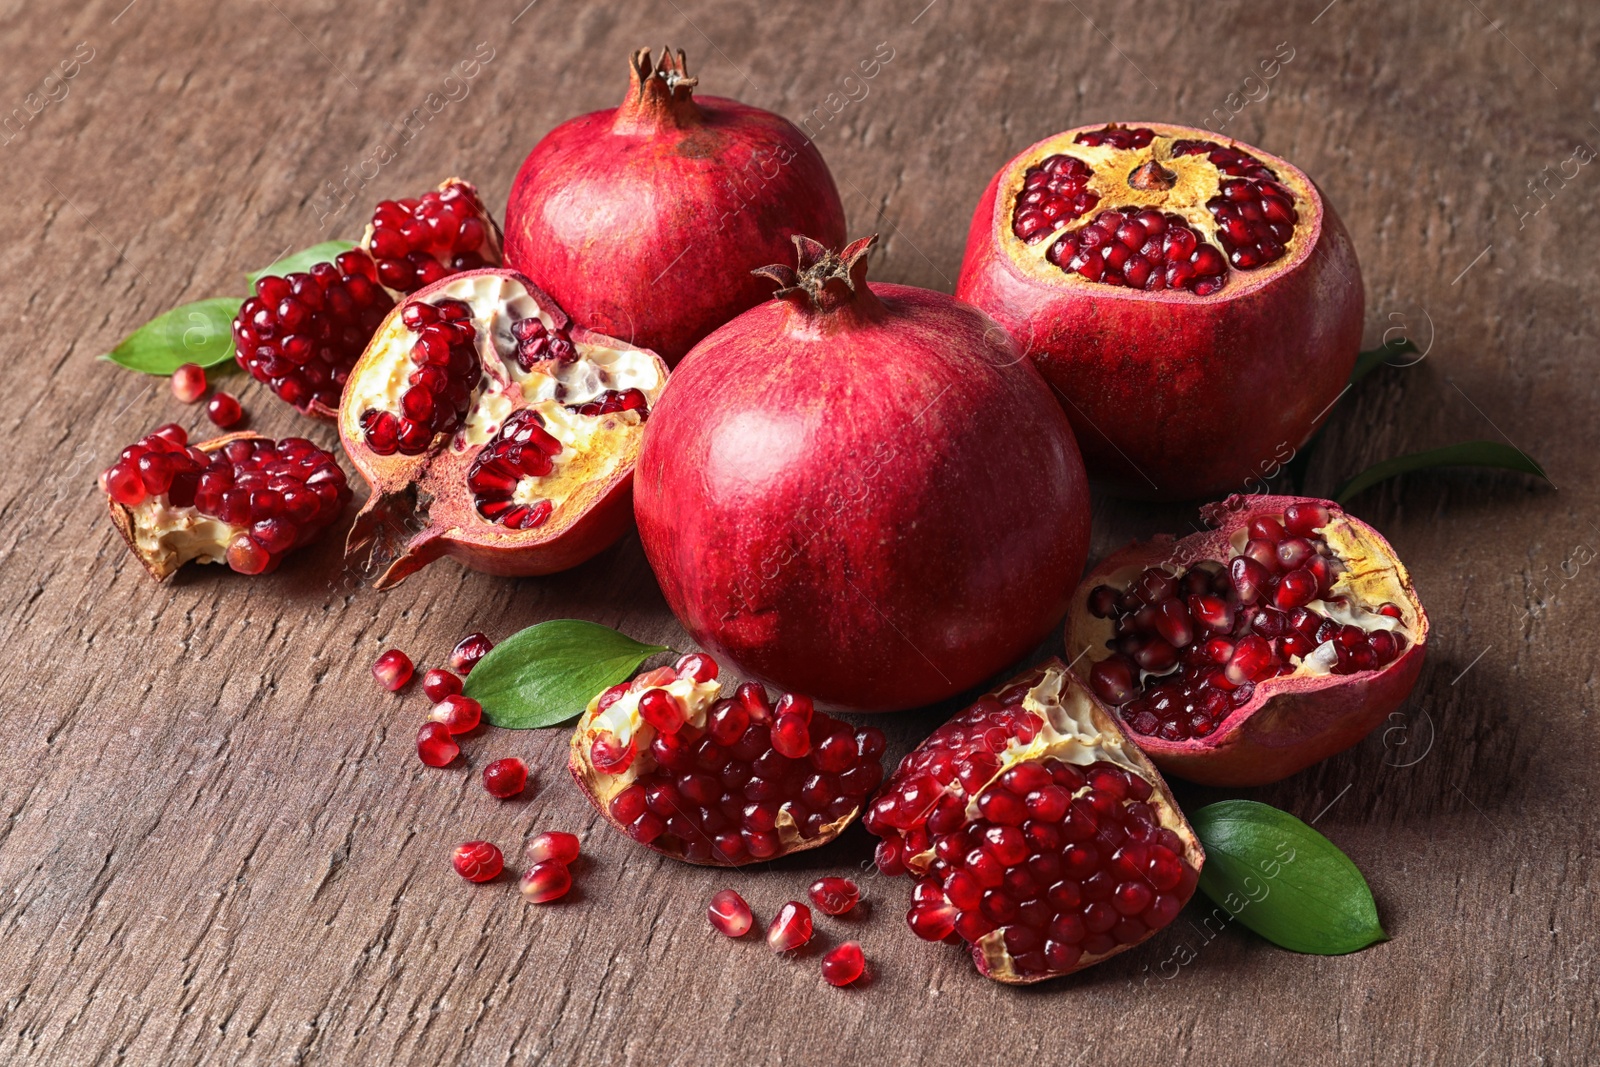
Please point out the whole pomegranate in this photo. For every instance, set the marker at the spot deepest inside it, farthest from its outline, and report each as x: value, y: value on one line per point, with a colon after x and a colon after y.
x: 717, y: 780
x: 494, y: 430
x: 646, y: 220
x: 860, y: 492
x: 1038, y: 834
x: 1245, y: 653
x: 1195, y: 304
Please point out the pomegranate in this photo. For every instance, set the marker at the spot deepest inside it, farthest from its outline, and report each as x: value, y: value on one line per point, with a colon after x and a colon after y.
x: 680, y: 770
x: 493, y: 430
x: 418, y: 240
x: 242, y: 499
x: 1037, y: 833
x: 862, y: 492
x: 1239, y: 655
x: 1196, y: 303
x: 646, y: 220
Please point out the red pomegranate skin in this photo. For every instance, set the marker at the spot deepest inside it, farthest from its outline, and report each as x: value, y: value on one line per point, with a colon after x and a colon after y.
x: 880, y: 505
x: 644, y: 221
x: 1175, y: 396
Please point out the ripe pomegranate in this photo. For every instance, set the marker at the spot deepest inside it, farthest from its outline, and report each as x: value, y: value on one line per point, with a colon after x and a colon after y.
x: 1196, y: 304
x: 419, y: 240
x: 1247, y: 652
x: 835, y: 493
x: 494, y: 430
x: 1037, y: 832
x: 242, y: 499
x: 721, y: 782
x: 646, y: 220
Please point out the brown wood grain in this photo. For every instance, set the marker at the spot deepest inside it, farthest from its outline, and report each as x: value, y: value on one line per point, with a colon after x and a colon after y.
x: 217, y: 844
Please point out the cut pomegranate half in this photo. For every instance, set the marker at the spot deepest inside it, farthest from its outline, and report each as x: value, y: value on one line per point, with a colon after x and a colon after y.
x: 1245, y: 653
x: 242, y: 499
x: 721, y: 782
x: 1037, y: 832
x: 419, y: 240
x: 472, y: 416
x: 1196, y: 302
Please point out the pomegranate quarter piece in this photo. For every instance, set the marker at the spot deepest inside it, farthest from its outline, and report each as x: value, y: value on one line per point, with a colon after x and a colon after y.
x: 680, y: 770
x: 1196, y: 303
x: 1036, y: 831
x: 1250, y: 651
x: 242, y: 499
x: 493, y: 430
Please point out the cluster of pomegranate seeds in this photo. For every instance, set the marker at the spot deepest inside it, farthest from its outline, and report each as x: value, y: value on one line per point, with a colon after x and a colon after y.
x: 1189, y: 648
x: 1141, y: 250
x: 439, y: 390
x: 548, y: 878
x: 536, y: 343
x: 522, y: 448
x: 419, y: 240
x: 729, y: 914
x: 1255, y: 212
x: 1054, y: 191
x: 224, y: 410
x: 468, y: 651
x: 279, y: 492
x: 477, y: 861
x: 189, y: 383
x: 1117, y: 137
x: 844, y: 964
x: 437, y: 684
x: 719, y: 789
x: 791, y: 929
x: 612, y: 401
x: 302, y: 333
x: 834, y: 896
x: 393, y: 670
x: 505, y: 778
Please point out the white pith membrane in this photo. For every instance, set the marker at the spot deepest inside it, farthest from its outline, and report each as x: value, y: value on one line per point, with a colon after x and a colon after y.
x: 1197, y: 181
x: 167, y: 537
x: 595, y: 448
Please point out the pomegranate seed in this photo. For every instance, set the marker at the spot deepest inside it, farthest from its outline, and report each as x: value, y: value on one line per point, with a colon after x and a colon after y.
x: 437, y: 684
x: 791, y: 736
x: 834, y: 896
x: 553, y: 845
x: 697, y: 665
x: 435, y: 746
x: 477, y: 861
x: 1305, y: 520
x: 791, y: 929
x: 393, y: 670
x: 658, y: 708
x: 505, y: 777
x: 457, y: 714
x: 522, y: 451
x: 729, y: 913
x: 844, y: 964
x: 544, y: 882
x: 468, y: 652
x: 224, y: 410
x: 189, y: 383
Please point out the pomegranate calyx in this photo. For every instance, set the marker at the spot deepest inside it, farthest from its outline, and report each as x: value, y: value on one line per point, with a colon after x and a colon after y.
x: 660, y: 95
x: 826, y: 281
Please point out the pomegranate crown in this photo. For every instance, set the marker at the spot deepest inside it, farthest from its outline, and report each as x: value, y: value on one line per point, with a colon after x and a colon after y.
x: 825, y: 280
x: 660, y: 93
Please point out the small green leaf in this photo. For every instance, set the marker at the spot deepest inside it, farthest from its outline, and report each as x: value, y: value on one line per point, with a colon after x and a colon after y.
x: 1284, y: 880
x: 201, y: 332
x: 1371, y: 360
x: 1465, y: 454
x: 302, y: 261
x: 546, y: 674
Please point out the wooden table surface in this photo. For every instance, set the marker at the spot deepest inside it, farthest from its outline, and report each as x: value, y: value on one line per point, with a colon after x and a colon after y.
x: 217, y: 843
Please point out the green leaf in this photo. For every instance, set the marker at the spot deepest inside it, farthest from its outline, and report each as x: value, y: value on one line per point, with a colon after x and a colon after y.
x: 1284, y: 880
x: 302, y: 261
x: 546, y: 674
x: 1371, y: 360
x: 201, y: 333
x: 1465, y: 454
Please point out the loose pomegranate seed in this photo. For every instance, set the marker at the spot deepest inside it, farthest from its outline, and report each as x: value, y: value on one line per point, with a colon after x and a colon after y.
x: 729, y: 913
x: 435, y: 746
x: 505, y: 469
x: 844, y: 964
x: 468, y: 652
x: 505, y: 777
x: 224, y: 410
x: 791, y: 929
x: 301, y: 334
x: 437, y: 685
x: 417, y: 241
x: 477, y: 861
x: 439, y: 390
x: 457, y: 714
x: 189, y: 382
x: 834, y: 896
x: 544, y: 882
x: 393, y: 670
x: 553, y: 845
